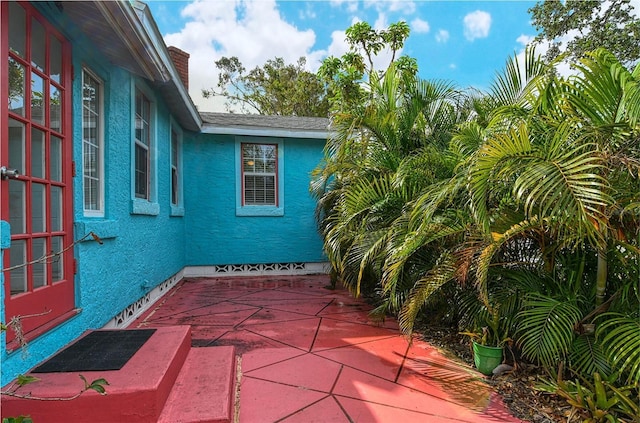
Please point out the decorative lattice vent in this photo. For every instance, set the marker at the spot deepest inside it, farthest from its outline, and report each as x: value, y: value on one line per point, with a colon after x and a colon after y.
x: 258, y: 268
x: 131, y: 312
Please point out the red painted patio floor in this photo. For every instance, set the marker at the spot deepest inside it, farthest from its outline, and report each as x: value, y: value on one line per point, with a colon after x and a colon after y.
x: 311, y: 354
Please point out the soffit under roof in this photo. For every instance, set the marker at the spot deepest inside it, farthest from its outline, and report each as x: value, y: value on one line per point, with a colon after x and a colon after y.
x: 129, y: 38
x: 96, y: 21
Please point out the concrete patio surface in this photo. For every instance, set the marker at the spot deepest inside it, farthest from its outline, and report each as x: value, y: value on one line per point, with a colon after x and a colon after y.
x: 310, y: 354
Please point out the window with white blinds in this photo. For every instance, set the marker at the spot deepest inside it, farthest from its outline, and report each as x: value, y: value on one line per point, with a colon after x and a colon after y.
x: 259, y: 174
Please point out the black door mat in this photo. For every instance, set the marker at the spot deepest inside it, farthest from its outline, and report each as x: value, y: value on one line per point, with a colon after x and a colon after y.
x: 98, y: 351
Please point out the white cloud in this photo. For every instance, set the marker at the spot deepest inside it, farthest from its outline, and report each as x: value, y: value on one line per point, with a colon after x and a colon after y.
x: 403, y: 6
x: 307, y: 12
x: 477, y: 25
x: 419, y: 26
x: 453, y: 66
x: 394, y: 6
x: 252, y: 30
x: 255, y: 31
x: 381, y: 22
x: 442, y: 36
x: 525, y: 40
x: 351, y: 5
x: 339, y: 45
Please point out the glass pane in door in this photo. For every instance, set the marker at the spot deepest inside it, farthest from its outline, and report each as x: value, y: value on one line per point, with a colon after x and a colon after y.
x: 55, y: 58
x: 38, y: 208
x: 55, y: 105
x: 17, y: 29
x: 16, y: 145
x: 56, y: 209
x: 39, y: 268
x: 18, y: 276
x: 38, y: 45
x: 57, y: 261
x: 16, y: 87
x: 17, y: 207
x: 37, y: 99
x: 37, y: 153
x: 55, y: 159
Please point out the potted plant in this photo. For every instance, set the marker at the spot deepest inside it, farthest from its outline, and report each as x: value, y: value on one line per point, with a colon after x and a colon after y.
x: 488, y: 345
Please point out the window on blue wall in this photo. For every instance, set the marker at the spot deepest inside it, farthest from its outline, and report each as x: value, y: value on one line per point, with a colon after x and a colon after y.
x: 142, y: 159
x: 92, y: 145
x: 259, y: 174
x: 259, y: 182
x: 176, y: 171
x: 175, y: 188
x: 144, y: 191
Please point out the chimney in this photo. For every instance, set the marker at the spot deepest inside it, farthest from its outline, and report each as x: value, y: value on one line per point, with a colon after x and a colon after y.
x: 181, y: 62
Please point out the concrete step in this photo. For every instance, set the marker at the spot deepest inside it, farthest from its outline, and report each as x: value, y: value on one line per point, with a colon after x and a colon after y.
x: 205, y: 389
x: 136, y: 393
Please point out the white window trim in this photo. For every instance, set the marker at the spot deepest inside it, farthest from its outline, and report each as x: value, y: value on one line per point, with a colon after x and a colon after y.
x: 176, y: 209
x: 140, y: 205
x: 241, y: 209
x: 101, y: 147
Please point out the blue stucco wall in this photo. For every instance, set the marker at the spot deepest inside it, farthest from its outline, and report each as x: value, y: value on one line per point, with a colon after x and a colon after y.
x: 5, y: 243
x: 138, y: 251
x: 215, y: 235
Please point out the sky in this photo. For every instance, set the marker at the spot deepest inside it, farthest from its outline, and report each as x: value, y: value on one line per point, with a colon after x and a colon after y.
x: 465, y: 42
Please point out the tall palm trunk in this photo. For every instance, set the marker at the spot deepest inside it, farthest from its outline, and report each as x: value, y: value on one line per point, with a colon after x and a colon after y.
x: 601, y: 277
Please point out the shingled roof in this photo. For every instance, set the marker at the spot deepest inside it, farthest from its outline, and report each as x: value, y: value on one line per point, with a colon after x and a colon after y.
x: 242, y: 124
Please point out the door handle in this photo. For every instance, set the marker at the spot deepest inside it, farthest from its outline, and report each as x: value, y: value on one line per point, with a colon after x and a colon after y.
x: 8, y: 173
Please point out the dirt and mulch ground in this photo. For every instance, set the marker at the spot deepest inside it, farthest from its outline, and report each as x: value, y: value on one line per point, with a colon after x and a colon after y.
x: 517, y: 387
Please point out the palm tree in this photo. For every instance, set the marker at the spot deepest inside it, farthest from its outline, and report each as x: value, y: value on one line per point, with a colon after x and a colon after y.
x: 528, y: 193
x: 548, y: 169
x: 384, y: 154
x: 478, y: 199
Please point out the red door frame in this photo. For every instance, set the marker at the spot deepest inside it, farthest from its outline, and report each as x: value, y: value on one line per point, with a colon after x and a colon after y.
x: 47, y: 306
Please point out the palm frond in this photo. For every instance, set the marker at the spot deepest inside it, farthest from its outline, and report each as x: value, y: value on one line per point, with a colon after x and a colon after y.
x: 631, y: 97
x: 516, y: 83
x: 433, y: 280
x: 599, y: 88
x: 587, y: 356
x: 545, y: 328
x: 493, y: 158
x: 372, y: 256
x: 620, y: 337
x: 487, y: 253
x: 412, y: 242
x: 467, y: 139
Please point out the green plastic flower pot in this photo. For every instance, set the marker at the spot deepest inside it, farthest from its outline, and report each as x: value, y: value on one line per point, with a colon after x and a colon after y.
x: 486, y: 358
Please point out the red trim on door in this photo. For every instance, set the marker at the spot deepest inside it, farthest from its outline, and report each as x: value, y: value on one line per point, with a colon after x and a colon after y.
x: 40, y: 307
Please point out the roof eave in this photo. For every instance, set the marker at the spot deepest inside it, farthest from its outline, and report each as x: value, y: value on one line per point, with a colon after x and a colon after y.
x: 123, y: 20
x: 190, y: 118
x: 135, y: 27
x: 264, y: 132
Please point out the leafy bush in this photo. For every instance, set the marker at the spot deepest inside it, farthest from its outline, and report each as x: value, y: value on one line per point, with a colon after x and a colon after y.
x: 598, y: 400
